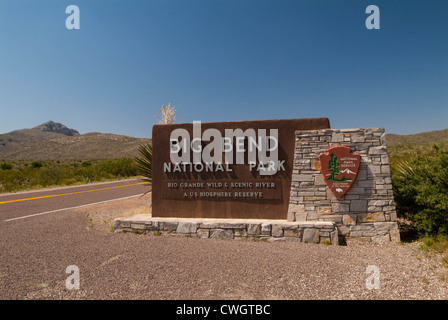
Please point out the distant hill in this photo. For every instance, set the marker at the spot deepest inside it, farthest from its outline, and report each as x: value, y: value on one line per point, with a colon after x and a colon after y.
x: 419, y: 139
x: 54, y: 141
x: 51, y: 126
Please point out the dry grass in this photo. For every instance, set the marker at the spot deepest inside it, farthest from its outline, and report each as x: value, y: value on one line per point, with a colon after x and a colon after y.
x: 101, y: 217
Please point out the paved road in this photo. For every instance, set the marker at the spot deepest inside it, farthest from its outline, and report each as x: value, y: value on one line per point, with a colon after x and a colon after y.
x: 29, y: 204
x: 35, y: 251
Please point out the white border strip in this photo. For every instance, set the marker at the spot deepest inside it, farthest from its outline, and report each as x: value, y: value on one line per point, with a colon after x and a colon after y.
x: 84, y: 205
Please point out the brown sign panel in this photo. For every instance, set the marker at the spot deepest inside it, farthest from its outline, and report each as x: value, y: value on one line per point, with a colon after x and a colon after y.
x: 340, y: 168
x: 235, y: 190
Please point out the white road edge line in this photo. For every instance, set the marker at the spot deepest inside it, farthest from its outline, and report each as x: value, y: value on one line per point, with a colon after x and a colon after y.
x: 84, y: 205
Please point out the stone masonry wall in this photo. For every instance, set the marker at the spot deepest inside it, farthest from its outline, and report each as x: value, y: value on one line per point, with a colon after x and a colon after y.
x: 238, y: 229
x: 367, y: 211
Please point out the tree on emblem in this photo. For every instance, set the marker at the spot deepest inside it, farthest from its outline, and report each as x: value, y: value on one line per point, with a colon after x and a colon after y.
x: 334, y: 171
x: 333, y: 167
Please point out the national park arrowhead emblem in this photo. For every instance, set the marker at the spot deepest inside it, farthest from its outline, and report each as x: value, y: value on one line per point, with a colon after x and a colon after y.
x: 339, y: 168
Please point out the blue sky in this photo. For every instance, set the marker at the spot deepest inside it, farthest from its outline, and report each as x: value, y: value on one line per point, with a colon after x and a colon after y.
x: 223, y: 60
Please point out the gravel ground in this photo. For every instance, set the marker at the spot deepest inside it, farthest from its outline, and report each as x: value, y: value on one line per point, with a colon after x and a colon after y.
x: 35, y: 252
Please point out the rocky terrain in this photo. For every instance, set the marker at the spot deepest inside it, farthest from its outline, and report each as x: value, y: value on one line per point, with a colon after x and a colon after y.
x: 423, y: 138
x: 54, y: 141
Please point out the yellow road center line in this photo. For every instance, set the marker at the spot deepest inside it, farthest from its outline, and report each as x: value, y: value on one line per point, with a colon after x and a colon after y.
x: 71, y: 193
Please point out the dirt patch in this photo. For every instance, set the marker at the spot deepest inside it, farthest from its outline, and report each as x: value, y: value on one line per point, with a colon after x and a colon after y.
x: 101, y: 216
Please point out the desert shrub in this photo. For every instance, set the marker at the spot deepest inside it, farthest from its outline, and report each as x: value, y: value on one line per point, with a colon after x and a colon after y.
x: 421, y: 190
x: 86, y: 164
x: 5, y: 166
x: 123, y: 167
x: 51, y: 173
x: 36, y: 164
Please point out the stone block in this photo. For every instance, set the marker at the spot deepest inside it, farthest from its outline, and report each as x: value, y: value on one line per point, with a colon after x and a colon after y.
x: 291, y: 216
x: 295, y: 209
x: 186, y: 227
x: 306, y: 224
x: 334, y: 237
x: 314, y: 198
x: 381, y: 227
x: 230, y: 225
x: 266, y: 229
x: 319, y: 180
x: 340, y: 207
x: 349, y: 219
x: 203, y: 233
x: 291, y: 233
x: 168, y: 226
x: 324, y: 240
x: 337, y: 137
x: 365, y: 230
x: 323, y: 210
x: 301, y: 216
x: 336, y: 218
x: 221, y: 233
x: 290, y: 226
x: 356, y: 190
x: 358, y: 138
x: 362, y: 175
x: 366, y: 184
x: 358, y: 205
x: 277, y: 230
x: 385, y: 169
x: 312, y: 215
x: 138, y: 226
x: 327, y: 225
x: 209, y: 225
x: 310, y: 235
x: 154, y: 226
x: 357, y: 239
x: 378, y: 203
x: 254, y: 229
x: 302, y: 177
x: 395, y: 235
x: 240, y: 232
x: 343, y: 230
x: 371, y: 217
x: 381, y: 150
x: 381, y: 238
x: 393, y: 215
x: 374, y: 169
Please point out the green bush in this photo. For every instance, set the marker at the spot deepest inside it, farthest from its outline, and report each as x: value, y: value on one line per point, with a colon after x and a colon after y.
x: 86, y: 164
x: 5, y: 166
x: 23, y: 176
x: 421, y: 190
x: 36, y: 164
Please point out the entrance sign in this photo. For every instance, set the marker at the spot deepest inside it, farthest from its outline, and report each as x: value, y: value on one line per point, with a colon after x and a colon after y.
x: 278, y: 180
x: 340, y: 168
x: 225, y: 169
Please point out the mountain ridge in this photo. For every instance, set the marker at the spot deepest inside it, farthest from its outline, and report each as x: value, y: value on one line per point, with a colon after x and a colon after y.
x: 56, y: 127
x: 418, y: 139
x: 55, y: 141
